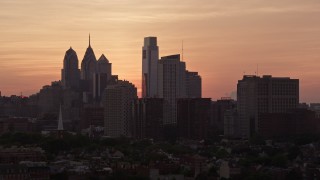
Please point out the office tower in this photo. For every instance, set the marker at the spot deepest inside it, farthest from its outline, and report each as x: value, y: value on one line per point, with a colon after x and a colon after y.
x: 171, y: 85
x: 119, y: 99
x: 150, y: 56
x: 103, y: 66
x: 148, y: 117
x: 88, y: 64
x: 265, y: 94
x: 88, y: 69
x: 70, y: 74
x: 193, y: 84
x: 193, y: 117
x: 101, y: 77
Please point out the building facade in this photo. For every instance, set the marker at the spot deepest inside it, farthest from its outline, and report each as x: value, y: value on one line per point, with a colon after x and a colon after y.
x: 148, y: 118
x: 70, y: 74
x: 171, y: 85
x: 150, y: 57
x: 293, y: 122
x: 218, y: 109
x: 118, y: 105
x: 193, y: 116
x: 193, y: 85
x: 264, y: 94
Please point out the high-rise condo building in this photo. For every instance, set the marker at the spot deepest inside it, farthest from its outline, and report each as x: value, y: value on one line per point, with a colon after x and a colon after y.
x: 118, y: 108
x: 150, y: 57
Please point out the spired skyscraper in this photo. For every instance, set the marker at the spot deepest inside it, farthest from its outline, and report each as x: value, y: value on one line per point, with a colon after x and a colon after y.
x: 150, y: 56
x: 70, y: 74
x: 88, y: 69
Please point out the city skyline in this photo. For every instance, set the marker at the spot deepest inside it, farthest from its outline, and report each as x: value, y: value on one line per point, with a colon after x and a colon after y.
x: 222, y: 40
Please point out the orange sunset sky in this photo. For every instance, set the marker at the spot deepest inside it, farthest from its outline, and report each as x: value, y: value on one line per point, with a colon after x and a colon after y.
x: 223, y: 39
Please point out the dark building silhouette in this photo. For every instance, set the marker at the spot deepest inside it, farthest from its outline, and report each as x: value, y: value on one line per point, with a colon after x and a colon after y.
x: 193, y: 85
x: 101, y: 78
x: 70, y: 74
x: 118, y: 106
x: 193, y: 116
x: 92, y: 116
x: 50, y: 98
x: 266, y: 94
x: 148, y: 118
x: 88, y: 64
x: 293, y: 122
x: 171, y: 85
x: 12, y: 125
x: 88, y: 69
x: 218, y: 109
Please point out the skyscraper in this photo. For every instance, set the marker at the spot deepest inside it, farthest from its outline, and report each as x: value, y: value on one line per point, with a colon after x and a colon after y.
x: 104, y: 66
x: 88, y: 70
x: 265, y: 94
x: 101, y: 77
x: 70, y: 74
x: 193, y: 84
x: 88, y: 64
x: 150, y: 56
x: 118, y: 107
x: 171, y: 85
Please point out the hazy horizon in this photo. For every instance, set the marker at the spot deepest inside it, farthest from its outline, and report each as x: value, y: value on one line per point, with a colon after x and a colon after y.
x: 223, y: 40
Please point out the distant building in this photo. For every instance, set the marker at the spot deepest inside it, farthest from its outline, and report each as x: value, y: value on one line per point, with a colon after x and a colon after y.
x: 193, y: 116
x: 231, y: 123
x: 88, y: 64
x: 148, y: 118
x: 293, y: 122
x: 49, y: 98
x: 101, y: 77
x: 193, y: 85
x: 118, y: 107
x: 14, y: 155
x: 267, y: 94
x: 92, y: 116
x: 88, y: 69
x: 150, y: 57
x: 23, y: 125
x: 316, y: 108
x: 218, y: 109
x: 70, y: 74
x: 171, y: 85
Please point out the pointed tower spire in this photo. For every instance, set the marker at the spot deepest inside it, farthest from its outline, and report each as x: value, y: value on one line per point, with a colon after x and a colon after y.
x: 89, y: 40
x: 60, y: 123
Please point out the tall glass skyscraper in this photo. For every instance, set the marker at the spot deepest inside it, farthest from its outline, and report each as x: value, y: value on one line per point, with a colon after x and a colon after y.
x: 150, y: 56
